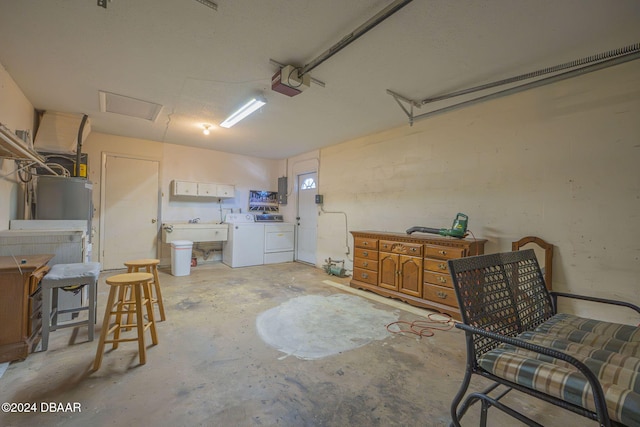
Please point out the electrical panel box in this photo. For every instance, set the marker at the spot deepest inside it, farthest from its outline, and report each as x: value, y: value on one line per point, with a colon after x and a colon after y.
x: 282, y: 190
x: 319, y: 199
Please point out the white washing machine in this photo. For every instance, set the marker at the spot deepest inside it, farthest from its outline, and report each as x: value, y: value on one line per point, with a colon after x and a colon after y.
x: 245, y: 242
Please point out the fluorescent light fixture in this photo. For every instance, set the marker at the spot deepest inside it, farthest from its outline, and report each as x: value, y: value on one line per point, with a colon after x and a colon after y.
x: 243, y: 112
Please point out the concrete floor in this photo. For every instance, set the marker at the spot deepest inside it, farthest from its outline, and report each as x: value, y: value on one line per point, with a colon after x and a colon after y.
x: 212, y: 368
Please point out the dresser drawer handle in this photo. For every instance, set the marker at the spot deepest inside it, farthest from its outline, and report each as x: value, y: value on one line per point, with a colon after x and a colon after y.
x: 385, y: 246
x: 442, y: 252
x: 365, y: 264
x: 442, y: 266
x: 413, y: 249
x: 365, y: 253
x: 442, y: 279
x: 365, y: 276
x: 366, y: 243
x: 441, y: 295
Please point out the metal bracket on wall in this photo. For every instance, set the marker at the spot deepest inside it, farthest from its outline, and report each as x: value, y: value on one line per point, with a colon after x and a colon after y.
x: 576, y: 68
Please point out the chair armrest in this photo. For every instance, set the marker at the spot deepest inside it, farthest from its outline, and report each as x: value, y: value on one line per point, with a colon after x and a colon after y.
x: 598, y: 393
x: 555, y: 295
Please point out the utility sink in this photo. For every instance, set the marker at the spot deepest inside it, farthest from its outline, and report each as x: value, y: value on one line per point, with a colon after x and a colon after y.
x: 195, y: 232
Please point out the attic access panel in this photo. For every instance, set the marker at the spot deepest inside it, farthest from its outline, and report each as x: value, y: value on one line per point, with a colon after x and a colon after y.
x: 127, y: 106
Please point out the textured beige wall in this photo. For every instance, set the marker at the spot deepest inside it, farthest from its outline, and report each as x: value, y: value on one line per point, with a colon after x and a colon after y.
x: 98, y: 144
x: 183, y: 163
x: 200, y: 165
x: 16, y: 113
x: 559, y: 162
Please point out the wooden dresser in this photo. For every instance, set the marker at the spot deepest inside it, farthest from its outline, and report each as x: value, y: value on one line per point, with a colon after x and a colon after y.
x: 412, y: 268
x: 20, y: 304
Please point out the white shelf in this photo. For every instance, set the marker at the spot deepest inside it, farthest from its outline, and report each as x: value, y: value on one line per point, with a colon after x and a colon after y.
x: 13, y: 148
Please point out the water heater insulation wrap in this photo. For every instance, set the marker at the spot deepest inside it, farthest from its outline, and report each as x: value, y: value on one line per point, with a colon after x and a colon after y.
x: 58, y: 132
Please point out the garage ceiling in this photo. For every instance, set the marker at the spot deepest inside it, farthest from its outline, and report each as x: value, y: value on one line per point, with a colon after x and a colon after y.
x: 200, y: 64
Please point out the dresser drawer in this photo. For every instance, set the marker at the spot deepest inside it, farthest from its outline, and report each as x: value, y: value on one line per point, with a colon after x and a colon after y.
x: 440, y: 294
x: 366, y: 254
x: 366, y: 263
x: 439, y: 279
x: 365, y: 242
x: 443, y: 252
x: 367, y: 276
x: 437, y: 265
x: 411, y: 249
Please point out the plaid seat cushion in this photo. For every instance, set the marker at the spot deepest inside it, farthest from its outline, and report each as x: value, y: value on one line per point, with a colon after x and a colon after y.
x: 609, y: 350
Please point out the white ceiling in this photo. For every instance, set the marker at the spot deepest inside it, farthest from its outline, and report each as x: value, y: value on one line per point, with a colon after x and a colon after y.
x: 201, y: 64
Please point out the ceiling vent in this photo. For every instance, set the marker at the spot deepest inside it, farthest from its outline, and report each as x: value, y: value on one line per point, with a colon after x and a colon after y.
x: 120, y: 104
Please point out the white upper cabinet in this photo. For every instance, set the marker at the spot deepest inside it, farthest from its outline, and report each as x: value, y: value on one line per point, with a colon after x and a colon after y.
x: 202, y: 189
x: 223, y: 190
x: 185, y: 188
x: 206, y: 189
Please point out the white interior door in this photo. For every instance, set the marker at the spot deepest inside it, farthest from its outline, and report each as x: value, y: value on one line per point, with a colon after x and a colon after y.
x: 129, y: 210
x: 307, y: 220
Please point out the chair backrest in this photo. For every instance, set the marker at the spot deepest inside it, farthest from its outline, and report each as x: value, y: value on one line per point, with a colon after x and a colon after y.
x: 503, y: 293
x: 544, y: 254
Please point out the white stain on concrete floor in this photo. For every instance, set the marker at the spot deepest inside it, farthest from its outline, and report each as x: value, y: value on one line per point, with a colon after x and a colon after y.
x: 311, y: 327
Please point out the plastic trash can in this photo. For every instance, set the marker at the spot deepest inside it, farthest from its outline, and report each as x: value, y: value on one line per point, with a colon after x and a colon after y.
x: 181, y: 257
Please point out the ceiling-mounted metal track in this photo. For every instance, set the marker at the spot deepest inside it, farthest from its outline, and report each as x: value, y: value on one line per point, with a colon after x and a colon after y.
x: 209, y: 4
x: 586, y: 65
x: 355, y: 34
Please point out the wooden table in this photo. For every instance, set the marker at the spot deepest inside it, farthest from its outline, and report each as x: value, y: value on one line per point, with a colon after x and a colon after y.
x: 20, y: 304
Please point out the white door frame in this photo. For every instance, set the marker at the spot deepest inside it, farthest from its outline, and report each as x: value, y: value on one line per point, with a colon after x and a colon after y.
x: 295, y: 168
x: 103, y: 184
x: 298, y: 234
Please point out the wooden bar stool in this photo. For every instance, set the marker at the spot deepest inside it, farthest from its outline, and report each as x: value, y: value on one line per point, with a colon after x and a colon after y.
x: 150, y: 266
x: 137, y: 286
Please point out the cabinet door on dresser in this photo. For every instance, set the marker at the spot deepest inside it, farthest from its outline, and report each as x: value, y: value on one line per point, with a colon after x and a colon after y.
x: 388, y: 270
x: 401, y: 273
x: 400, y: 267
x: 410, y: 276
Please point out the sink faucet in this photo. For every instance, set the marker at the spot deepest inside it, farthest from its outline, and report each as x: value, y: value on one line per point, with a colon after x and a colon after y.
x: 194, y: 221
